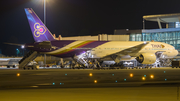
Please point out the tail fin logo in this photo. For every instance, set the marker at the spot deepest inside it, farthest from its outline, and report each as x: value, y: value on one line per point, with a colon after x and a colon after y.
x: 38, y: 30
x: 30, y: 11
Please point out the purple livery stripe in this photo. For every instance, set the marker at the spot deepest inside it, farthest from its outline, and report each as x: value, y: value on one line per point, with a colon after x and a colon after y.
x: 77, y: 47
x: 92, y: 44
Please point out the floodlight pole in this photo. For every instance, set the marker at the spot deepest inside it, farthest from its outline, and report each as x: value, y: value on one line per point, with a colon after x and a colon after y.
x: 44, y: 24
x: 44, y: 12
x: 143, y: 24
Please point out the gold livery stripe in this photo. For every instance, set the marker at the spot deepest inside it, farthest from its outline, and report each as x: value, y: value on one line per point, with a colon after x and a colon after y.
x: 71, y: 48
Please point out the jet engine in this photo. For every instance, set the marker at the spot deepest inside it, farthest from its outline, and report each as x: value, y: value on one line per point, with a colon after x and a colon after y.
x: 146, y: 58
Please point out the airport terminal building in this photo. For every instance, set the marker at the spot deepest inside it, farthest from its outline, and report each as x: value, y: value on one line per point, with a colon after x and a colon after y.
x: 170, y: 34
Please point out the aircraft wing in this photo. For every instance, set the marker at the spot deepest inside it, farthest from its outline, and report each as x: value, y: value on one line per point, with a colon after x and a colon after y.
x: 129, y: 51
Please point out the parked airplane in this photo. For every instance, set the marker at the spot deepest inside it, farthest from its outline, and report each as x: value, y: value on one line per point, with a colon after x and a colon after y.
x: 88, y: 52
x: 13, y: 62
x: 9, y: 62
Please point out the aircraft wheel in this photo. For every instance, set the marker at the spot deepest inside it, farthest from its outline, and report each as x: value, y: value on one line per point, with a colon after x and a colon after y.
x: 30, y: 68
x: 33, y: 68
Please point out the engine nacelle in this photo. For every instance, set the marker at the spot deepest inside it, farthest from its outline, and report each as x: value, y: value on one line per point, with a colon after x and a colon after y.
x: 146, y: 58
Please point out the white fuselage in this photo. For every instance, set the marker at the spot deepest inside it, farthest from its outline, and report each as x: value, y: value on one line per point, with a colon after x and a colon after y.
x: 117, y: 46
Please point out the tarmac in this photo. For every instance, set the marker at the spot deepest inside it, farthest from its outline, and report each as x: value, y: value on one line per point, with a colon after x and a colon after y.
x: 87, y: 84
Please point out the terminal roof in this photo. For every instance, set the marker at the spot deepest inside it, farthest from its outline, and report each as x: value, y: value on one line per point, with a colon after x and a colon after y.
x: 165, y: 18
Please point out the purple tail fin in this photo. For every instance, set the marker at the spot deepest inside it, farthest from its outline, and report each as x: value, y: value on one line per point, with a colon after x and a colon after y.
x: 39, y: 30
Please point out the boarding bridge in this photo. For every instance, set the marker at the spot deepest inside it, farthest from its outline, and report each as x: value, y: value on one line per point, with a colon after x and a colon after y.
x: 26, y: 59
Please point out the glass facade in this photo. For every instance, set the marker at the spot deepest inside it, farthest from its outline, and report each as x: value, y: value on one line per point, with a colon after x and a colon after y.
x: 169, y: 36
x: 135, y: 37
x: 177, y: 24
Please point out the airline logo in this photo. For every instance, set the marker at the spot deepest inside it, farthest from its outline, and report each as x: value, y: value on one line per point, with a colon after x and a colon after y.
x: 162, y: 46
x: 38, y: 30
x: 157, y: 46
x: 30, y: 11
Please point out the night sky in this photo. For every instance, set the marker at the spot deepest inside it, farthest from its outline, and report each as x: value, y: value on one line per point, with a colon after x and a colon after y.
x: 77, y: 17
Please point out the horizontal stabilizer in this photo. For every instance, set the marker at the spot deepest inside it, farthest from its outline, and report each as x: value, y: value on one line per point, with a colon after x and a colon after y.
x: 13, y: 44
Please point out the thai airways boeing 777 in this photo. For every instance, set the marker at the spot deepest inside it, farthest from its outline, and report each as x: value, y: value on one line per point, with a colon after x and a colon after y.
x: 85, y: 52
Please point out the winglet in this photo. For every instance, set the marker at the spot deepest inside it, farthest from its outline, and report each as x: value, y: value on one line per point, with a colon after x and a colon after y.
x: 39, y: 31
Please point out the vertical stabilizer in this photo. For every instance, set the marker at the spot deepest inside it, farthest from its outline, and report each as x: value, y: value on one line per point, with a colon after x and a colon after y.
x: 39, y: 30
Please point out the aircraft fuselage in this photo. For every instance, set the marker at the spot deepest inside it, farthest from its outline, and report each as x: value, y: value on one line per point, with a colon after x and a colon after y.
x: 99, y: 49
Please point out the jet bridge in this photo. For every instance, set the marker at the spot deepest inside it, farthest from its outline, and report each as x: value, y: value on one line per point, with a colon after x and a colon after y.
x: 31, y: 55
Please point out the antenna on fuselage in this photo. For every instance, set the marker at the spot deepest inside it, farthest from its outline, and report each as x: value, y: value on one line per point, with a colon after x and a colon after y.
x: 152, y: 40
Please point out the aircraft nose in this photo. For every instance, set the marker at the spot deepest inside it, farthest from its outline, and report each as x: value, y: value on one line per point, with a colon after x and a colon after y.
x: 175, y: 52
